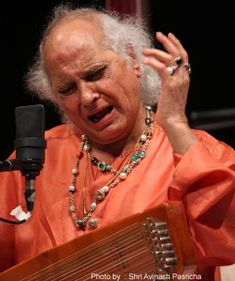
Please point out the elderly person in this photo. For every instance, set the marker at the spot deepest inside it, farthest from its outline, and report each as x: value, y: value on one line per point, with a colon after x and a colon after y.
x: 113, y: 156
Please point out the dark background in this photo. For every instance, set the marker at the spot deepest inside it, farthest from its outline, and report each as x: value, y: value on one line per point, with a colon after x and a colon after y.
x: 207, y: 33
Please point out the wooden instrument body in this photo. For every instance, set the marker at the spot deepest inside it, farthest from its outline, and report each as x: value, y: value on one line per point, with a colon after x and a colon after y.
x: 122, y: 248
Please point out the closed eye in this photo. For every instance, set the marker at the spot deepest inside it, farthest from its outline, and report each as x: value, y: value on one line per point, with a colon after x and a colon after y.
x: 95, y: 75
x: 67, y: 89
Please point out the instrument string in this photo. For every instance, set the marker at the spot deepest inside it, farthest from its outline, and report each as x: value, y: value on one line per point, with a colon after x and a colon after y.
x: 97, y: 264
x: 131, y: 262
x: 140, y: 262
x: 86, y: 259
x: 127, y: 238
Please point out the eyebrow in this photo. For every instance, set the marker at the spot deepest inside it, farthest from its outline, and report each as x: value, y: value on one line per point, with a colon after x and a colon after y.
x: 93, y: 69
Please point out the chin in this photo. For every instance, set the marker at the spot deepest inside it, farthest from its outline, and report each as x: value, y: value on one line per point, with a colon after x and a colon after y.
x: 109, y: 136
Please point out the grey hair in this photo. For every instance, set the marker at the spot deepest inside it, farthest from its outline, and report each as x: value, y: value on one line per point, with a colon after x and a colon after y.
x: 118, y: 32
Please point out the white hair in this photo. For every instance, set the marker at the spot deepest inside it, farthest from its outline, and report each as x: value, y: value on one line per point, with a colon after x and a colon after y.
x: 118, y: 32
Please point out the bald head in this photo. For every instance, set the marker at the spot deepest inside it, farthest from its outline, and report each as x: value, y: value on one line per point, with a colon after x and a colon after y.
x: 70, y: 35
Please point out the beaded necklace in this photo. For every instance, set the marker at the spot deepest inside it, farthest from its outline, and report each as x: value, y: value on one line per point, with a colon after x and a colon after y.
x: 120, y: 174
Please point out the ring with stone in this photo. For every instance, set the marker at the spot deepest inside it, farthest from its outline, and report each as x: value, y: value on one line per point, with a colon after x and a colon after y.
x: 171, y: 69
x: 187, y: 66
x: 178, y: 60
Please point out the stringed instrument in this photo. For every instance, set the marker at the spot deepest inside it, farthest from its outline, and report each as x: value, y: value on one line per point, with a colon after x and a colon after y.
x: 148, y: 245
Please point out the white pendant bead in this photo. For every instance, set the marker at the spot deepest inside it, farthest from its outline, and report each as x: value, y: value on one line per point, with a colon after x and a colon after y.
x: 75, y: 171
x: 92, y: 223
x: 123, y: 176
x: 86, y: 147
x: 143, y: 138
x: 72, y: 188
x: 105, y: 189
x: 93, y: 206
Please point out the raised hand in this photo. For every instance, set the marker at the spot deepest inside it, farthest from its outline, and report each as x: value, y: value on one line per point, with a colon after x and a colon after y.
x: 174, y: 69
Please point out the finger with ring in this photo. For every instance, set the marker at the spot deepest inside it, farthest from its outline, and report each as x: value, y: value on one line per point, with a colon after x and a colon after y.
x: 171, y: 69
x: 187, y: 66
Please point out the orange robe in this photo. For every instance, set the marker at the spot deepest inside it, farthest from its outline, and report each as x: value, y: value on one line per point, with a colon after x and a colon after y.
x: 203, y: 179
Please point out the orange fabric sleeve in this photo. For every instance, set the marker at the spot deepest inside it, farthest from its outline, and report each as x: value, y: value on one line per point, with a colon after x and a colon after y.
x: 205, y: 182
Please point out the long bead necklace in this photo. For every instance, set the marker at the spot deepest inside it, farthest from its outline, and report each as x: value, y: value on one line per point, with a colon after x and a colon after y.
x: 119, y: 175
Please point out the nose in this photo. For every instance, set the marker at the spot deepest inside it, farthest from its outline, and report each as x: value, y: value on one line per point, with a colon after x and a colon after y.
x: 88, y: 93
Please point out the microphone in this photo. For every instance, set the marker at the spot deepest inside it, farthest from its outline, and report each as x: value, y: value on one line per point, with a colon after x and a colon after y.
x: 30, y: 147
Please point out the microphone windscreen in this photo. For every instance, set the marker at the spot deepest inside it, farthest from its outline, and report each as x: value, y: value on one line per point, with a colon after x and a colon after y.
x: 30, y: 121
x: 30, y: 129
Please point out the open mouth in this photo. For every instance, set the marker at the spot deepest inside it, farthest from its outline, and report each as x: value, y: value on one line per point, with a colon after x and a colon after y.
x: 101, y: 114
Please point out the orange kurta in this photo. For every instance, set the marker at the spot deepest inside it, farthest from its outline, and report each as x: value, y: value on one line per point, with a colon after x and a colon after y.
x: 204, y: 179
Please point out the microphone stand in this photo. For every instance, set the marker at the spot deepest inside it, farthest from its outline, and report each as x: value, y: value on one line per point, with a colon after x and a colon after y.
x: 10, y: 165
x: 29, y: 169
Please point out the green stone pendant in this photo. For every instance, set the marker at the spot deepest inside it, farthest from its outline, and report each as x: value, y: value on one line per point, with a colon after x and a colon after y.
x: 135, y: 158
x: 101, y: 166
x: 81, y: 224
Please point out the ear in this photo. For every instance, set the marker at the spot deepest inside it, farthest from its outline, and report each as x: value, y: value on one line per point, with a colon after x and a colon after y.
x: 137, y: 70
x: 135, y: 64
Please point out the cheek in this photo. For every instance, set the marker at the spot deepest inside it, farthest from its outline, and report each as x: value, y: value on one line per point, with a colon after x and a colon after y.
x: 105, y: 85
x: 69, y: 105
